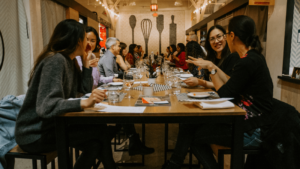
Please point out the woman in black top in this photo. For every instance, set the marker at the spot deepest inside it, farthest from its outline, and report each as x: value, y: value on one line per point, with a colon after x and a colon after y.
x: 55, y: 78
x: 250, y: 84
x: 217, y: 52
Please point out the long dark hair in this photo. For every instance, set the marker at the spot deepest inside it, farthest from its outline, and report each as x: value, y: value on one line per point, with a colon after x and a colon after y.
x: 131, y: 51
x: 173, y: 49
x: 211, y: 54
x: 64, y: 40
x: 193, y: 49
x: 244, y: 28
x: 122, y: 46
x: 140, y: 53
x: 91, y: 29
x: 182, y: 48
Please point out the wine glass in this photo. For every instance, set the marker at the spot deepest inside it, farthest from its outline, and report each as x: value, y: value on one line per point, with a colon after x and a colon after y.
x: 128, y: 81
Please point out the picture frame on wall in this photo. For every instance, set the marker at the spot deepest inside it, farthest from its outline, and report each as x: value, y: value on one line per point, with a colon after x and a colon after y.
x: 296, y: 73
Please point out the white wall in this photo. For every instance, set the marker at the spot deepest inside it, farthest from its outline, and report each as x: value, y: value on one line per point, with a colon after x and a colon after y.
x: 124, y: 31
x: 275, y: 43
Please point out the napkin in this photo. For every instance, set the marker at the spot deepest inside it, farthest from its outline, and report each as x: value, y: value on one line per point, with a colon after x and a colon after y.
x: 215, y: 105
x: 161, y: 102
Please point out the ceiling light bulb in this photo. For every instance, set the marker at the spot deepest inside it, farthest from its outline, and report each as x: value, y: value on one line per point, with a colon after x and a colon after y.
x: 209, y: 1
x: 97, y: 0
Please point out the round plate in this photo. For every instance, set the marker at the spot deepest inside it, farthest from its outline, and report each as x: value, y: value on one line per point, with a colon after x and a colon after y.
x: 116, y: 83
x: 198, y: 94
x: 186, y: 75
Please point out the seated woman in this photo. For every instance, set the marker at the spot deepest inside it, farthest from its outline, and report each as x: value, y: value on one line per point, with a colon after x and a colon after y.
x: 122, y: 64
x: 141, y: 53
x: 250, y: 84
x: 93, y: 40
x: 168, y: 54
x: 179, y: 58
x: 193, y: 49
x: 132, y: 55
x: 217, y: 52
x: 55, y: 78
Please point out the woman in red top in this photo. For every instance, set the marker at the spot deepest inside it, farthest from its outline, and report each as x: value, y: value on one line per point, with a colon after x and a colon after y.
x: 179, y: 58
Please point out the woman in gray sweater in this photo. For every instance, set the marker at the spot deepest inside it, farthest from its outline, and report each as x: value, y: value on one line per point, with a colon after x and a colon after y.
x: 55, y: 78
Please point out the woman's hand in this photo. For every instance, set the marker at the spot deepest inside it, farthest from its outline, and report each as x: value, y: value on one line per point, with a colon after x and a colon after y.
x: 96, y: 96
x: 192, y: 81
x: 117, y: 80
x: 204, y: 64
x: 94, y: 62
x: 87, y: 56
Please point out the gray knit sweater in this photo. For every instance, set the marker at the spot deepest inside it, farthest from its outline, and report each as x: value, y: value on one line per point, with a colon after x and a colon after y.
x: 54, y: 81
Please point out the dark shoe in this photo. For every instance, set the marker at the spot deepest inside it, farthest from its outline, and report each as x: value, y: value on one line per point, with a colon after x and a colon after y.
x: 137, y: 147
x: 170, y: 165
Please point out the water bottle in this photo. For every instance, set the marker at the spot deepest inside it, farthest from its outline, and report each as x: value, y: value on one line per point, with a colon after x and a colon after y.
x: 152, y: 56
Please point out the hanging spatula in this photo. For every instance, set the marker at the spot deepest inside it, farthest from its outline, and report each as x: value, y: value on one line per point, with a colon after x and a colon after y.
x: 160, y: 28
x: 132, y: 22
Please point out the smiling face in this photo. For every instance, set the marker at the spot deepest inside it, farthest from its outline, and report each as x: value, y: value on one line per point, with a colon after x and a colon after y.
x: 217, y: 40
x: 91, y: 39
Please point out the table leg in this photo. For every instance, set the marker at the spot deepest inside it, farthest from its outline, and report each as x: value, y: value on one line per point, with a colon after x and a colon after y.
x: 237, y: 143
x: 62, y: 144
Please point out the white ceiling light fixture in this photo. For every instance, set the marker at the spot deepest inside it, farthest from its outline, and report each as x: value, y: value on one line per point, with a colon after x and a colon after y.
x: 178, y: 3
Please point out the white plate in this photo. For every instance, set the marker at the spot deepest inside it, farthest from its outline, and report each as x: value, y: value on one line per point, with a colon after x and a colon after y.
x: 186, y: 75
x: 198, y: 94
x: 116, y: 83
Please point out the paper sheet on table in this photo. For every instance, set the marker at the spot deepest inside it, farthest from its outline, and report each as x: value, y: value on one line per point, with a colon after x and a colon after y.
x: 213, y: 100
x: 121, y: 109
x: 215, y: 105
x: 140, y: 82
x: 161, y: 102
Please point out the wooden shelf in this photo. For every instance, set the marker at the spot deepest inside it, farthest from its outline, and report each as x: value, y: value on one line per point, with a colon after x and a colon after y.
x: 289, y: 79
x: 221, y: 12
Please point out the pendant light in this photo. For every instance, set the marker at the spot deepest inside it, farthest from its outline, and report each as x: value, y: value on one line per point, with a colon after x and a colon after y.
x: 153, y: 6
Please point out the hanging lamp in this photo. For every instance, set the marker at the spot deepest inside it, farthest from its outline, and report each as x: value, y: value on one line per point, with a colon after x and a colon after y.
x: 153, y: 6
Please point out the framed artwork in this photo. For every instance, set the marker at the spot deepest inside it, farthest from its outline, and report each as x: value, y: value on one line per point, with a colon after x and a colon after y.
x: 296, y: 73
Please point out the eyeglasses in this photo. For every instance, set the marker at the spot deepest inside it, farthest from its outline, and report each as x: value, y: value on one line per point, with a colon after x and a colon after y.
x: 219, y: 38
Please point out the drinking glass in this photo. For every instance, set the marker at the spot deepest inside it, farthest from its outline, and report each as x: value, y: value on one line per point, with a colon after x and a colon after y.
x: 177, y: 88
x: 128, y: 81
x: 113, y: 96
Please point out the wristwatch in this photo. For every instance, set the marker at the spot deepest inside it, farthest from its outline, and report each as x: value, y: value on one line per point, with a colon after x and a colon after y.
x: 213, y: 71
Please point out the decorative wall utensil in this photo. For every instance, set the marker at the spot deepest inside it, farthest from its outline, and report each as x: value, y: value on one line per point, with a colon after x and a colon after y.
x: 146, y: 26
x: 132, y: 22
x: 160, y: 28
x: 3, y: 51
x: 173, y: 30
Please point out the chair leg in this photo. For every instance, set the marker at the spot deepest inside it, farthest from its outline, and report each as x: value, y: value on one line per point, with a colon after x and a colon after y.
x: 34, y: 164
x: 190, y: 160
x: 221, y: 159
x: 166, y: 140
x: 53, y: 164
x: 76, y: 154
x: 10, y: 162
x: 43, y: 163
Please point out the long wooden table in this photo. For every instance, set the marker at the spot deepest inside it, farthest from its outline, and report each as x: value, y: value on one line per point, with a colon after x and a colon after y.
x: 178, y: 112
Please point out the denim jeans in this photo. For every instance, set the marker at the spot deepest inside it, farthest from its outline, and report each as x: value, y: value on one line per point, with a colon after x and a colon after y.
x: 198, y: 137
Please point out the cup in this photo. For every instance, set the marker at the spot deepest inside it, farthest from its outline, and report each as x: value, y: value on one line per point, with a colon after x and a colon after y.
x: 116, y: 75
x: 147, y: 91
x: 113, y: 97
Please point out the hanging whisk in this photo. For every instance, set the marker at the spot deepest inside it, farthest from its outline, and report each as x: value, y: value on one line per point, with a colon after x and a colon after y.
x: 146, y: 26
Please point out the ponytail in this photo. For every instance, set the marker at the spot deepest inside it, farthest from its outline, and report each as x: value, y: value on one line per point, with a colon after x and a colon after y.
x: 244, y: 28
x: 254, y: 42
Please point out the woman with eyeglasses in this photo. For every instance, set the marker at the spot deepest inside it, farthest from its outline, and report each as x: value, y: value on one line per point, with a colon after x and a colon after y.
x: 250, y: 85
x: 218, y: 53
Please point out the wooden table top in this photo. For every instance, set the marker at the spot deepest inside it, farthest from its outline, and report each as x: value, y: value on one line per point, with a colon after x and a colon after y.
x: 176, y: 109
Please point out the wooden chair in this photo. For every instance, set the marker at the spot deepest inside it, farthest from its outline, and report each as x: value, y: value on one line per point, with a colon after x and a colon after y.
x: 45, y: 158
x: 220, y: 151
